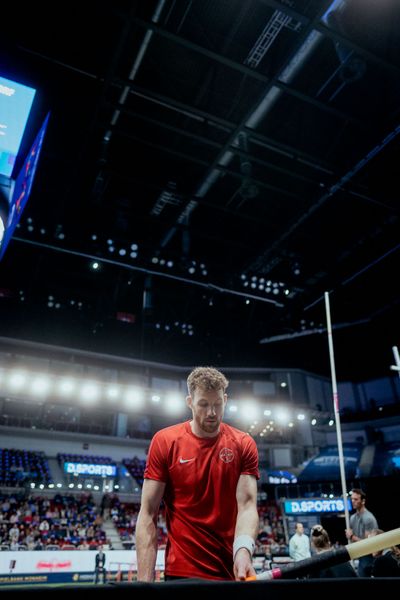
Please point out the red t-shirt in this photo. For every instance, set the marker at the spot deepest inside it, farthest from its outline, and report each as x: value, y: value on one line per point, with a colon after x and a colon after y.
x: 201, y: 476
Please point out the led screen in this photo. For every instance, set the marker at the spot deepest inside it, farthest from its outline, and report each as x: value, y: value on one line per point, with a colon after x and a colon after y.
x: 15, y: 105
x: 22, y: 187
x: 74, y: 468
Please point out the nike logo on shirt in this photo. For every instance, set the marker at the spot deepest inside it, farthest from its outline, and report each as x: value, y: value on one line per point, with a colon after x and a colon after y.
x: 185, y: 460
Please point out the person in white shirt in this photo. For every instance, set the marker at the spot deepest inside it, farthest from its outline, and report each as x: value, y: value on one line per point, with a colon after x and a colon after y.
x: 299, y: 544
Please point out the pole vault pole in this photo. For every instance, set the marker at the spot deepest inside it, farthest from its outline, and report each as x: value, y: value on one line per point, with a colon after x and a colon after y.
x: 336, y: 556
x: 336, y: 411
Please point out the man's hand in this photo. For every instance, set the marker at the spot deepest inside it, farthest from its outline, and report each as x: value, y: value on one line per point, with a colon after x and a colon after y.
x: 243, y: 565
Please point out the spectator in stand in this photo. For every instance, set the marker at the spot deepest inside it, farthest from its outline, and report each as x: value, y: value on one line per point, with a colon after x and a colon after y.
x: 44, y: 526
x: 13, y: 518
x: 98, y: 521
x: 14, y: 545
x: 30, y: 540
x: 105, y: 506
x: 90, y: 532
x: 266, y: 526
x: 38, y: 544
x: 13, y: 534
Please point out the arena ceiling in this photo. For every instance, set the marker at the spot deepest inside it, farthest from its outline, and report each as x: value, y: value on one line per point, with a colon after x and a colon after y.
x: 226, y: 163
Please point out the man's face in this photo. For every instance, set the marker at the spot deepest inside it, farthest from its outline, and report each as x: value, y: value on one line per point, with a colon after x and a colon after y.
x: 300, y: 528
x: 207, y: 408
x: 356, y: 501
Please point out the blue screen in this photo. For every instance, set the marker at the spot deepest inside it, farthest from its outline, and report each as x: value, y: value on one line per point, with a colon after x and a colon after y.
x: 15, y: 105
x: 23, y: 185
x: 315, y: 505
x: 75, y: 468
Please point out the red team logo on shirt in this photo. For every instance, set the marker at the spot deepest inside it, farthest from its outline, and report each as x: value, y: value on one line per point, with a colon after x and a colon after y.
x: 226, y: 455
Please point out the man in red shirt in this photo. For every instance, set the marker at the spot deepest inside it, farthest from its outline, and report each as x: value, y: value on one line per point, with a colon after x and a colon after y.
x: 206, y: 473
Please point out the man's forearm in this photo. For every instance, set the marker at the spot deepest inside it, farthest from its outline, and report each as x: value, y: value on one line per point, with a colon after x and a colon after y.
x: 247, y: 522
x: 244, y: 543
x: 146, y: 549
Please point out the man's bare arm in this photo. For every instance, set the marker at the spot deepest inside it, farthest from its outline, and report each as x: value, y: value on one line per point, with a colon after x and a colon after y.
x: 146, y: 528
x: 247, y: 524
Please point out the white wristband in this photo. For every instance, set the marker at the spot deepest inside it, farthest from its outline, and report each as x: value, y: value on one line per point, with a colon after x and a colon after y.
x: 243, y: 541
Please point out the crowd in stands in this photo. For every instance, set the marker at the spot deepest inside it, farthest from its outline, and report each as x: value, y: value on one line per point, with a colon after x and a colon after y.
x: 39, y: 523
x: 271, y: 535
x: 270, y: 541
x: 20, y: 466
x: 71, y: 522
x: 135, y: 467
x: 125, y: 516
x: 80, y: 458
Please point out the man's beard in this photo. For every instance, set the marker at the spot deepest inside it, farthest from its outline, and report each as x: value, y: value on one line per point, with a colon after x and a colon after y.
x: 209, y: 427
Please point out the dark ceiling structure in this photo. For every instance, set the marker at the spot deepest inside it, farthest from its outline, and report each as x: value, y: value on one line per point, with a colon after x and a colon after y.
x: 226, y: 163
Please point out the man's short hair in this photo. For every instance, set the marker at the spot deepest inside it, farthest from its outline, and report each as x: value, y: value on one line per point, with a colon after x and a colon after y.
x: 206, y: 378
x: 360, y: 492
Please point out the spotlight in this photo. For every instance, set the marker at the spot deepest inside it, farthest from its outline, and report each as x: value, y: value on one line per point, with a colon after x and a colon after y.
x: 296, y: 269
